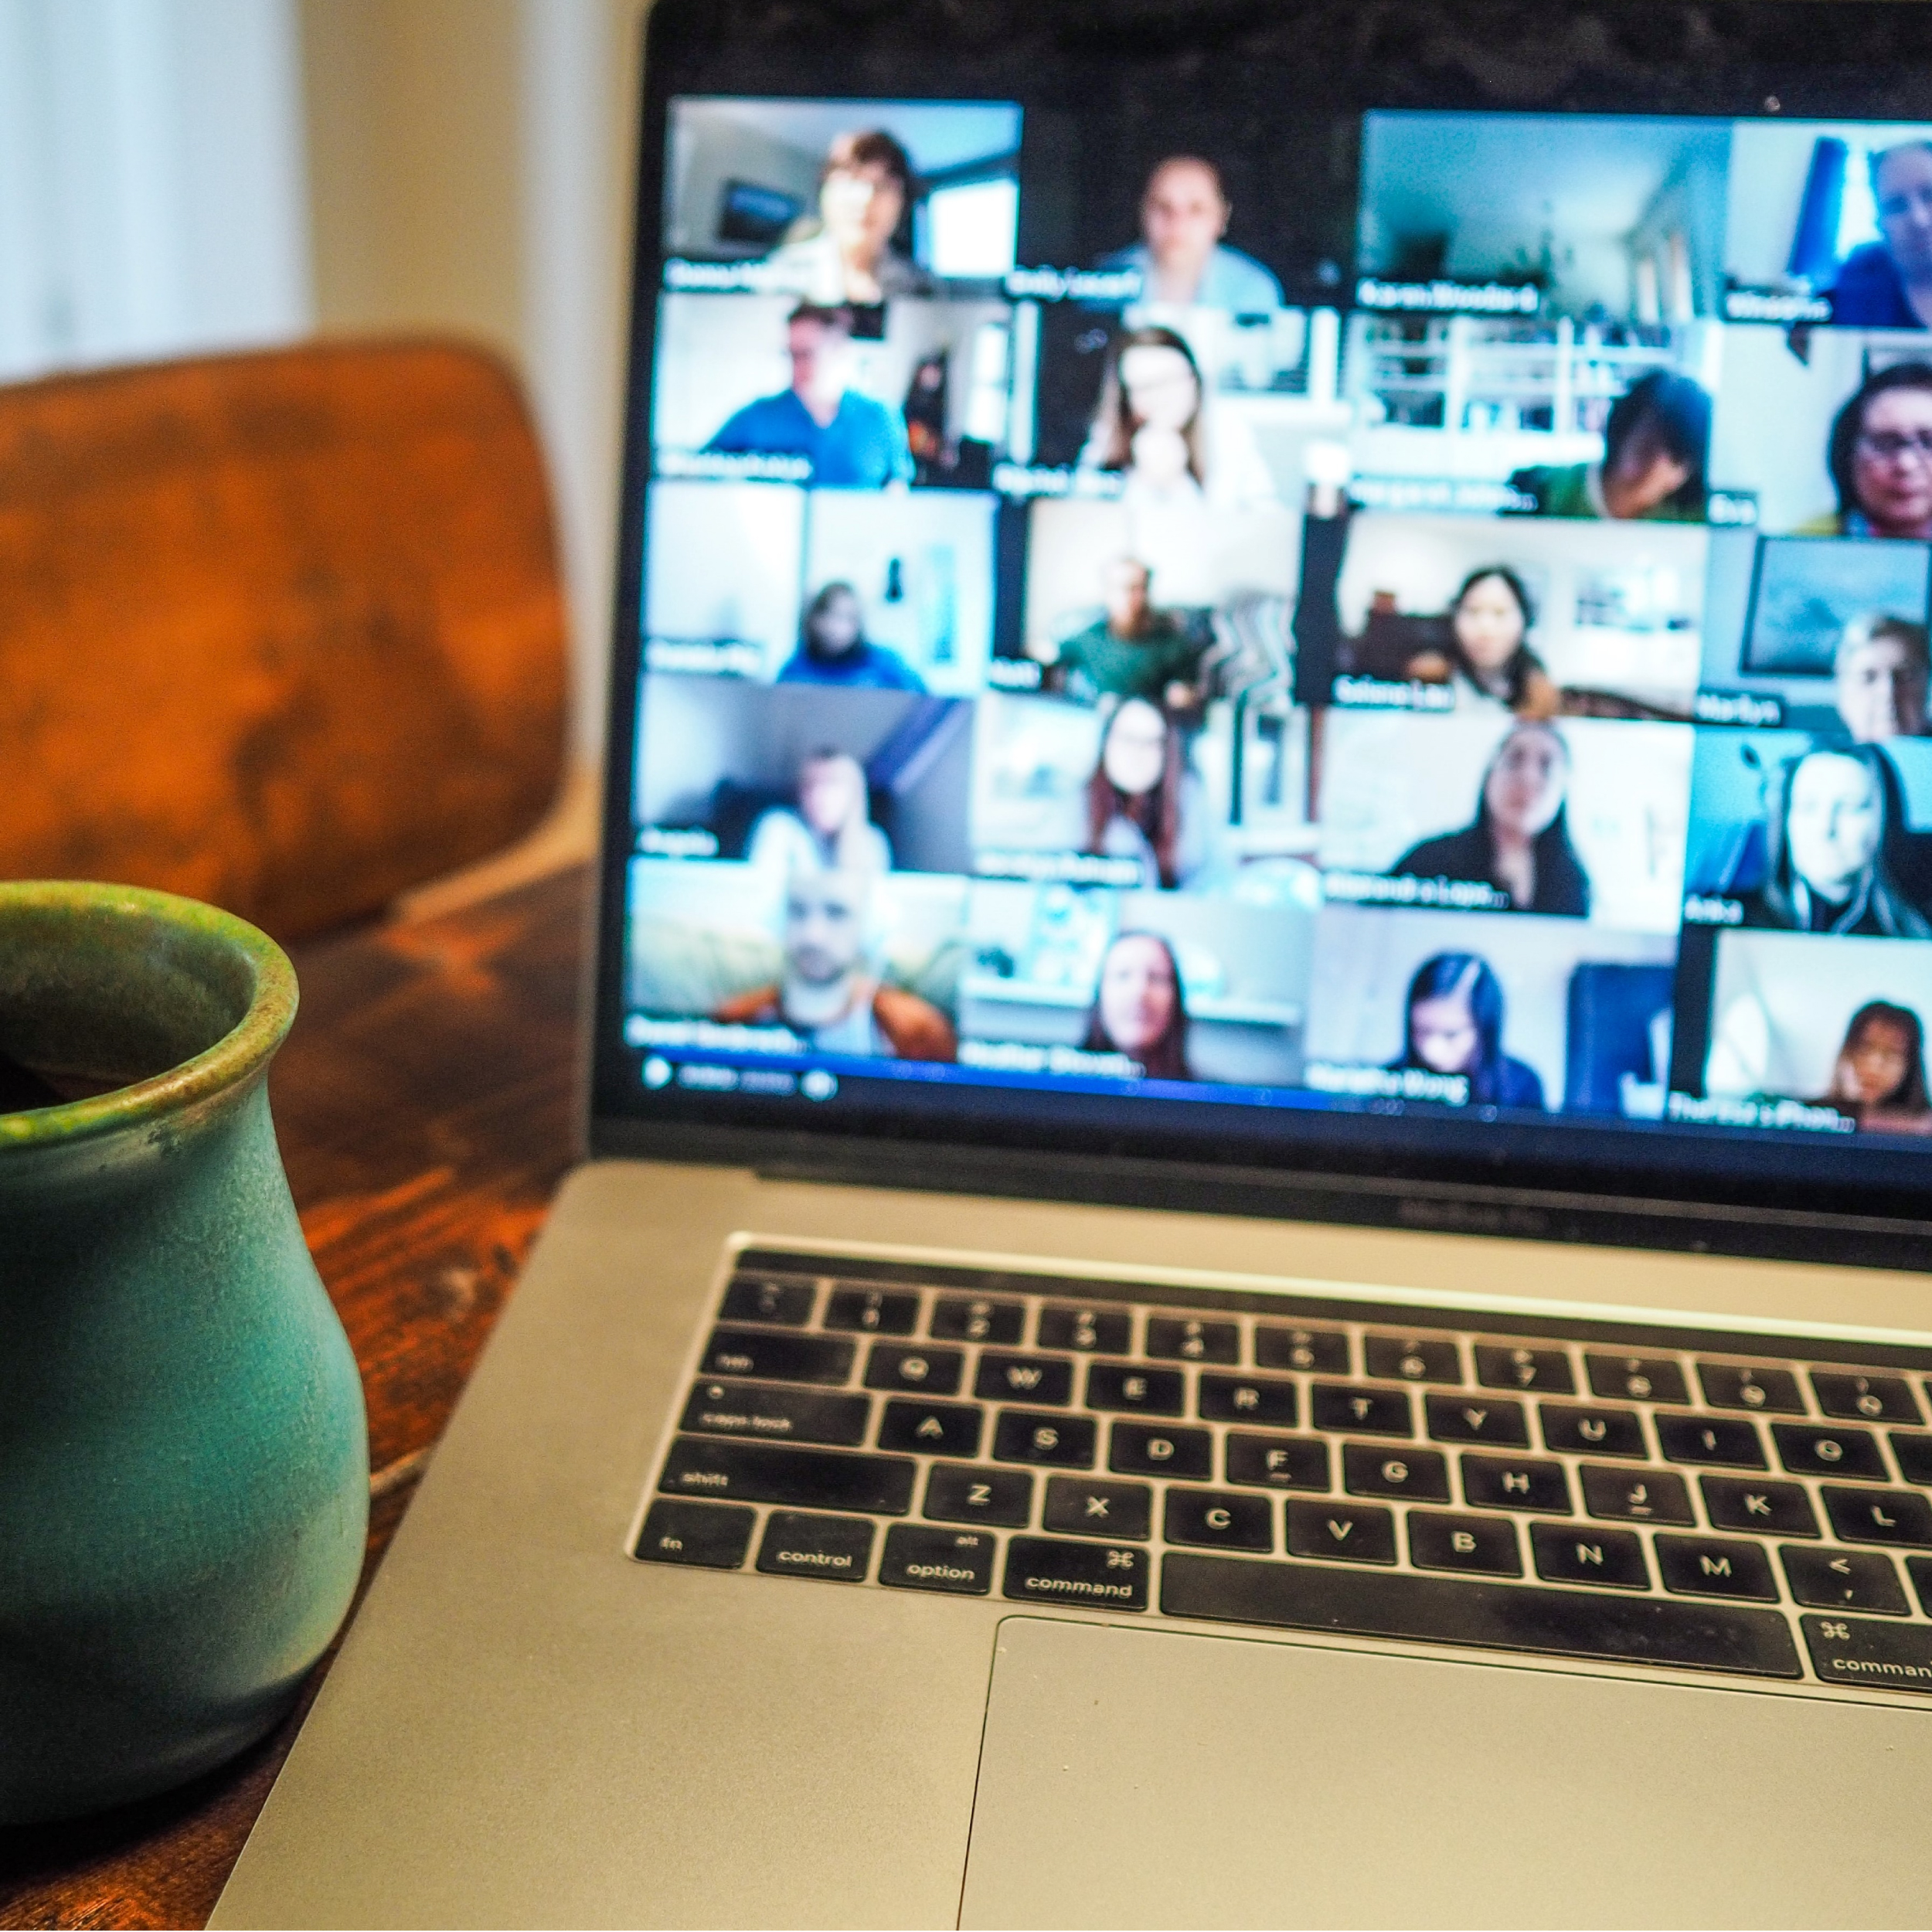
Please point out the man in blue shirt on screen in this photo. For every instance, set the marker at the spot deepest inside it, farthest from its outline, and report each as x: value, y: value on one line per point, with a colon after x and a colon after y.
x: 851, y: 441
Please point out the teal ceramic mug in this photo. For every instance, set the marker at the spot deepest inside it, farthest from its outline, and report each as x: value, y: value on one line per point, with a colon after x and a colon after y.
x: 184, y: 1461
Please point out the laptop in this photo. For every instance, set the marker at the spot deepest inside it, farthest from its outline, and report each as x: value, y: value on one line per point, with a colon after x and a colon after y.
x: 1255, y: 1247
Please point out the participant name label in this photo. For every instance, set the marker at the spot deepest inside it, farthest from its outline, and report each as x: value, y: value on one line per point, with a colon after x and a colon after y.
x: 1772, y: 305
x: 1449, y: 298
x: 1011, y: 1057
x: 1379, y: 694
x: 1371, y: 888
x: 1058, y: 868
x: 1721, y: 1111
x: 1387, y: 1082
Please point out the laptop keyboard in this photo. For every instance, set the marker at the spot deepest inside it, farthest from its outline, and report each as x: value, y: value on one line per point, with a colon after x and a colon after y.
x: 1757, y: 1507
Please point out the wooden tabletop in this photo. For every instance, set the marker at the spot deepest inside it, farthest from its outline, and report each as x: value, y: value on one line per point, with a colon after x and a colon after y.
x: 426, y: 1103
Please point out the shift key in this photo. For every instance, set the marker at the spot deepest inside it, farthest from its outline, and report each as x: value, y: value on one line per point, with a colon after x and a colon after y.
x: 771, y: 1472
x: 776, y: 1355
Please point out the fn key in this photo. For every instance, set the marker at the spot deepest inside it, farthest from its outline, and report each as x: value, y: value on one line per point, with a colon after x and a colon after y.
x: 713, y: 1536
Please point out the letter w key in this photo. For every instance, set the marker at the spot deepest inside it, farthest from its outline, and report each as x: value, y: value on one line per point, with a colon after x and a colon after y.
x: 1038, y: 1378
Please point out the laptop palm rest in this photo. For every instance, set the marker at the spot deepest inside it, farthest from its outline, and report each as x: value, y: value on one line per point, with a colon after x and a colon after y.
x: 1143, y: 1777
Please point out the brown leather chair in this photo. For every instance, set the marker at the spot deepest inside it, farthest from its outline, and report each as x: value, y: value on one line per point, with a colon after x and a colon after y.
x: 283, y: 631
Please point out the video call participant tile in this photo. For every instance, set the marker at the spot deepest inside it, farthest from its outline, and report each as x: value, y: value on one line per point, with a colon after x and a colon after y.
x: 1458, y: 1010
x: 1573, y: 819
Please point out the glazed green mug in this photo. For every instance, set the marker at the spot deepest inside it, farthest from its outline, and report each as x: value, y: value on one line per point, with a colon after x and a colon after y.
x: 184, y: 1458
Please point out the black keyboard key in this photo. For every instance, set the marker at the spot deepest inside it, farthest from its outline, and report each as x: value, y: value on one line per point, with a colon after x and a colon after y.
x: 1505, y: 1617
x: 774, y: 1354
x: 1636, y: 1495
x: 926, y: 1371
x: 932, y: 1428
x: 1323, y: 1351
x: 965, y: 1317
x: 712, y: 1536
x: 1001, y: 1496
x: 1024, y: 1378
x: 1894, y: 1516
x: 1217, y: 1519
x: 776, y: 1411
x: 1101, y: 1576
x: 1769, y: 1508
x: 1592, y: 1432
x: 1480, y: 1546
x: 1769, y: 1391
x: 1919, y: 1570
x: 872, y: 1310
x: 1248, y: 1398
x: 798, y: 1545
x: 1636, y: 1377
x: 1362, y: 1411
x: 1914, y: 1455
x: 1152, y: 1392
x: 1154, y: 1449
x: 755, y: 1297
x: 1716, y: 1566
x: 1847, y: 1650
x: 1037, y: 1436
x: 1710, y: 1439
x: 1601, y: 1558
x: 958, y: 1562
x: 1806, y: 1449
x: 771, y: 1472
x: 1543, y: 1370
x: 1276, y: 1462
x: 1188, y: 1339
x: 1844, y: 1580
x: 1480, y: 1419
x: 1395, y: 1358
x: 1515, y: 1482
x: 1349, y: 1532
x: 1091, y: 1331
x: 1857, y: 1398
x: 1076, y: 1507
x: 1417, y: 1475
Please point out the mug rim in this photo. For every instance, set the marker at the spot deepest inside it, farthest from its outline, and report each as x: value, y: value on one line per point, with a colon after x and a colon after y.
x: 220, y: 1068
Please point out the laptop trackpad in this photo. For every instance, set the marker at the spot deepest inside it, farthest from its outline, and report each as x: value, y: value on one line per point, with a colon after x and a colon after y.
x: 1150, y: 1777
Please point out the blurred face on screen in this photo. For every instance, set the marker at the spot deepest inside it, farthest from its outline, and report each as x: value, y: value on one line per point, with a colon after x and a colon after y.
x: 1135, y: 752
x: 1183, y: 214
x: 1489, y: 624
x: 1901, y: 185
x: 1645, y: 474
x: 1835, y: 822
x: 831, y: 794
x: 1878, y: 1061
x: 1127, y: 587
x: 824, y: 928
x: 1442, y: 1032
x: 836, y: 625
x: 1892, y: 462
x: 821, y: 363
x: 1525, y: 790
x: 1881, y: 692
x: 1137, y: 994
x: 861, y: 206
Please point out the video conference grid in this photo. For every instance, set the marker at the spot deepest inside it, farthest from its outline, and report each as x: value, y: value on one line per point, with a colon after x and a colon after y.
x: 1488, y: 691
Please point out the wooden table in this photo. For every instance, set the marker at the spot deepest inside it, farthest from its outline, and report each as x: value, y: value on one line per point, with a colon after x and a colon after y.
x: 425, y: 1104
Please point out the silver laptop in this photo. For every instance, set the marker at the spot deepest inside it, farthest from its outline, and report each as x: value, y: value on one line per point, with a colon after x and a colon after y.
x: 1260, y: 1119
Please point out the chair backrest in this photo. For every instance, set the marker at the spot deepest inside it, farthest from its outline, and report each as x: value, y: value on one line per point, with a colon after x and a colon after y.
x: 283, y: 631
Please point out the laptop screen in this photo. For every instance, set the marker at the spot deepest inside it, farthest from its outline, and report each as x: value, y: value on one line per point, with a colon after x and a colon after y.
x: 1397, y: 631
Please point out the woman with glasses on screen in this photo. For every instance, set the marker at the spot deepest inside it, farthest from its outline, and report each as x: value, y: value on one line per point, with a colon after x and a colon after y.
x: 1519, y: 842
x: 1138, y: 1007
x: 1830, y: 814
x: 1880, y: 457
x: 847, y: 255
x: 1452, y: 1024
